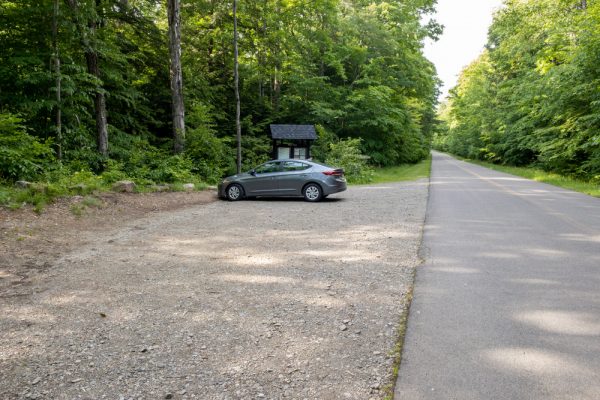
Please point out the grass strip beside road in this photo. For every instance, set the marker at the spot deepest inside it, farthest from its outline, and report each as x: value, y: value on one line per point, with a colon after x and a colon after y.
x: 405, y: 172
x: 41, y: 194
x: 592, y: 189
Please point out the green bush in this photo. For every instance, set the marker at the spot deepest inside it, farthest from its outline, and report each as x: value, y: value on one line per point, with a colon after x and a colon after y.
x: 22, y: 156
x: 171, y: 169
x: 113, y: 172
x: 146, y: 164
x: 321, y: 148
x: 210, y: 155
x: 5, y: 195
x: 255, y: 151
x: 346, y: 154
x: 81, y: 182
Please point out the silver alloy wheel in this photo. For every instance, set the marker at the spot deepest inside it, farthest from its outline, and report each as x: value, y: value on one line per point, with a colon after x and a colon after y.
x: 312, y: 192
x: 234, y: 192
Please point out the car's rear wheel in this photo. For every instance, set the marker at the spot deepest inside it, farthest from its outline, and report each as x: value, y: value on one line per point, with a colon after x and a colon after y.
x: 234, y: 192
x: 312, y: 192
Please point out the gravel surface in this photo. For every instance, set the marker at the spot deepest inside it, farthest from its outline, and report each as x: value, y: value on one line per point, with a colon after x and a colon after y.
x: 30, y: 243
x: 249, y: 300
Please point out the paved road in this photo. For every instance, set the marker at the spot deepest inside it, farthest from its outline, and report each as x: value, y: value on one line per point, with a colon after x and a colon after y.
x: 507, y: 304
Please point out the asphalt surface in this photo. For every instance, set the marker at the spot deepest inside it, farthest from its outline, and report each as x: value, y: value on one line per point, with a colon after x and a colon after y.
x: 507, y: 303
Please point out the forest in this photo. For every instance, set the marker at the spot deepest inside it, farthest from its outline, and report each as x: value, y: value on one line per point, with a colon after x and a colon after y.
x: 532, y: 98
x: 86, y: 85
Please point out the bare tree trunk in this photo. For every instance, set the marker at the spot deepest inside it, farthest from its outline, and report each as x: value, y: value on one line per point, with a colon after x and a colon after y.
x: 173, y: 12
x: 56, y: 60
x: 276, y: 83
x: 91, y: 57
x: 262, y: 37
x: 236, y: 79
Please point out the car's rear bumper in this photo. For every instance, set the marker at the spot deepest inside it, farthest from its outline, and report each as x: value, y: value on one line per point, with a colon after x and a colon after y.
x: 335, y: 186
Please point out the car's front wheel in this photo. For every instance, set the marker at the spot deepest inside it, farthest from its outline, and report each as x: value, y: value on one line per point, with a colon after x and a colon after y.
x: 234, y: 192
x: 312, y: 192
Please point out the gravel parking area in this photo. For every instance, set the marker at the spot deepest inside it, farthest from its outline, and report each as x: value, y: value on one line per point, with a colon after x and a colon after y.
x: 263, y: 299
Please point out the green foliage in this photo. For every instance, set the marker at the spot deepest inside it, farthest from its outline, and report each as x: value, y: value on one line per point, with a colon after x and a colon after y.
x: 170, y: 169
x: 406, y: 172
x: 37, y: 195
x: 210, y: 155
x: 532, y: 98
x: 79, y: 208
x: 79, y: 182
x: 5, y: 195
x: 59, y: 182
x: 113, y: 172
x: 354, y: 67
x: 147, y: 164
x: 346, y: 154
x: 322, y: 146
x: 255, y: 151
x: 22, y: 156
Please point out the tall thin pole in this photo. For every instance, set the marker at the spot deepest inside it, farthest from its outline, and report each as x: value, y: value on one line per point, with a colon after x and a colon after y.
x: 236, y: 79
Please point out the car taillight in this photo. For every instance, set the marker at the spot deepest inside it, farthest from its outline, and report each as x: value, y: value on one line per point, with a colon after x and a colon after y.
x: 337, y: 172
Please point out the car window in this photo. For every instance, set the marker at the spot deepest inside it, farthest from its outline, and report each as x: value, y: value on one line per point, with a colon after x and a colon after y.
x: 294, y: 166
x: 267, y: 168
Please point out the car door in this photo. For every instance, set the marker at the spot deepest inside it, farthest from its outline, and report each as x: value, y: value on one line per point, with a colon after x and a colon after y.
x: 292, y: 178
x: 263, y: 182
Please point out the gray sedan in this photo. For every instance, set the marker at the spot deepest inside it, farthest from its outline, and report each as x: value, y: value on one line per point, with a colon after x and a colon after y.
x: 292, y: 178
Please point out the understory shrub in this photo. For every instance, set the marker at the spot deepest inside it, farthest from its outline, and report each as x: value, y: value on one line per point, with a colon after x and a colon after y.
x: 346, y: 154
x: 211, y: 156
x: 22, y: 156
x: 146, y: 164
x: 320, y: 148
x: 171, y: 169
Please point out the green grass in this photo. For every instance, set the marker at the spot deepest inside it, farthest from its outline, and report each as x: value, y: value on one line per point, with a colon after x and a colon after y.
x: 593, y: 189
x: 78, y: 209
x: 91, y: 201
x: 396, y: 353
x: 39, y: 195
x: 406, y: 172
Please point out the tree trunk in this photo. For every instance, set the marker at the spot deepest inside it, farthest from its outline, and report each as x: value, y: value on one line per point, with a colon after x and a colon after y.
x: 238, y: 127
x: 56, y: 60
x: 91, y: 57
x: 262, y: 38
x: 173, y: 11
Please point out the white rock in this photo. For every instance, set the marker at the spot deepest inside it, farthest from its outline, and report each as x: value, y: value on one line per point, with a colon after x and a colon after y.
x: 124, y: 186
x: 22, y: 184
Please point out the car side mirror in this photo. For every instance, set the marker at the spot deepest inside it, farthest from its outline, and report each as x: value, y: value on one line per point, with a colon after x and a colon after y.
x: 253, y: 172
